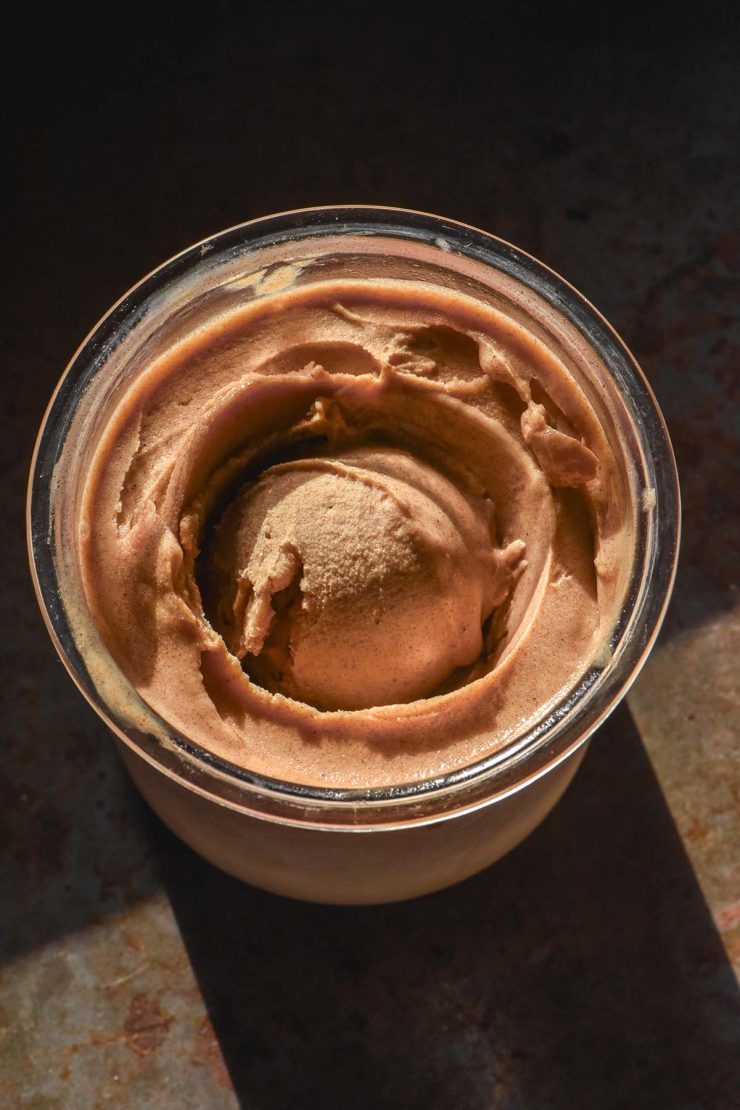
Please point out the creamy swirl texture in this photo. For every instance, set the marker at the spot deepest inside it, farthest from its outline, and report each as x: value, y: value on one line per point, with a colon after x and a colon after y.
x: 355, y: 533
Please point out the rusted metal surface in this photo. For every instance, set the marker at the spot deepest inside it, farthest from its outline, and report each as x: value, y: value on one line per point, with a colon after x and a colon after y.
x: 594, y: 966
x: 98, y: 1002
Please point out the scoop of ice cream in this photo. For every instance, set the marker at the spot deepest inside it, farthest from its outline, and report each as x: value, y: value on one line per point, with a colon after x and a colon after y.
x: 356, y: 580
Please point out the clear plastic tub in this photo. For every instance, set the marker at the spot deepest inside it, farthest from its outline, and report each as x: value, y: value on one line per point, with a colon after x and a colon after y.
x: 331, y: 845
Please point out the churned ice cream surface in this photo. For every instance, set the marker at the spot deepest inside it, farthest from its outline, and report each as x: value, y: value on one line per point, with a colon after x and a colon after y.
x: 355, y: 533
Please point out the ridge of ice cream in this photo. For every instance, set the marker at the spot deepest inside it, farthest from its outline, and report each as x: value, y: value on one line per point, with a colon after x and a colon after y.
x: 355, y: 533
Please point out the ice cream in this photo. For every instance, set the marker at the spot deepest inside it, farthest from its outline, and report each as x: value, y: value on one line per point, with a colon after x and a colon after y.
x: 358, y: 579
x: 355, y: 533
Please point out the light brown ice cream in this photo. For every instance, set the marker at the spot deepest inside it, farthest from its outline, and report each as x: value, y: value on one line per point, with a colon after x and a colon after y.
x: 356, y: 580
x: 355, y: 533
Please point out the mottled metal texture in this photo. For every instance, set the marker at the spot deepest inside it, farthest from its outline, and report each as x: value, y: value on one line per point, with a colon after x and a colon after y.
x: 594, y: 966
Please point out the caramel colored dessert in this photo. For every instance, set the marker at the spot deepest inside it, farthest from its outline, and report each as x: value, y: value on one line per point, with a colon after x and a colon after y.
x: 355, y: 534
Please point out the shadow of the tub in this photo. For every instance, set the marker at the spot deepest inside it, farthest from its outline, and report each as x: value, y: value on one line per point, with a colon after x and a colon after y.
x: 583, y: 970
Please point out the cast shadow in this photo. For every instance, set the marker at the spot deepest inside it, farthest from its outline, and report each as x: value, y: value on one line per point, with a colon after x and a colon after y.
x: 584, y: 970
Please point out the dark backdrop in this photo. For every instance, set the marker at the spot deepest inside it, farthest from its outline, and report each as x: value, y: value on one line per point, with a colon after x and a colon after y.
x: 605, y: 143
